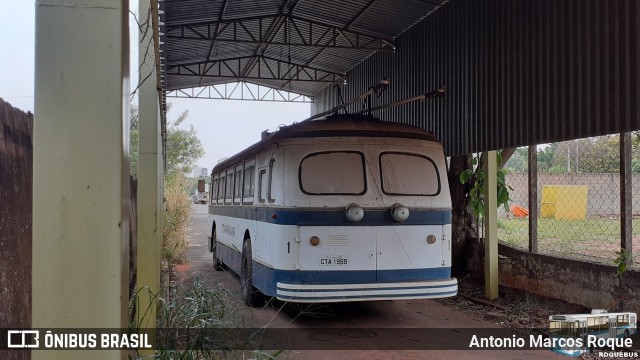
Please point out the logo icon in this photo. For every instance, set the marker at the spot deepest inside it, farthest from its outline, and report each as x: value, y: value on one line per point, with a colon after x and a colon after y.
x: 23, y: 339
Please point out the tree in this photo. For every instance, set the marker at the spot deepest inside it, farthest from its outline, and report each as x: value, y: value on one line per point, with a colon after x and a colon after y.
x: 466, y: 183
x: 183, y: 148
x: 518, y: 161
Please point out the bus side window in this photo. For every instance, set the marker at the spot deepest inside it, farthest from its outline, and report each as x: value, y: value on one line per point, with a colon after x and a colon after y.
x: 262, y: 185
x: 272, y: 163
x: 228, y: 192
x: 213, y: 193
x: 237, y: 190
x: 249, y: 185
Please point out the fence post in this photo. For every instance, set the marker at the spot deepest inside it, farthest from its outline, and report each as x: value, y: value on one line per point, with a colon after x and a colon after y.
x: 533, y: 199
x: 491, y: 225
x: 626, y: 216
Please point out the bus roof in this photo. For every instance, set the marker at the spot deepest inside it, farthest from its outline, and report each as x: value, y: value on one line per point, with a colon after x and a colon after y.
x: 331, y: 128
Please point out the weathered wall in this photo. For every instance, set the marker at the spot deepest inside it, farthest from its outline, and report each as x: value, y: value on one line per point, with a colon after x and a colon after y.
x: 591, y: 285
x: 16, y: 159
x: 604, y: 190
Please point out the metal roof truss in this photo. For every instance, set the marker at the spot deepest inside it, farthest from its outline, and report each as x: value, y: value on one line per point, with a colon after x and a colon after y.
x: 239, y: 91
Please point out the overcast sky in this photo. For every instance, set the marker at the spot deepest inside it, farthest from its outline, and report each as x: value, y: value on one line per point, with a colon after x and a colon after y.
x: 224, y: 126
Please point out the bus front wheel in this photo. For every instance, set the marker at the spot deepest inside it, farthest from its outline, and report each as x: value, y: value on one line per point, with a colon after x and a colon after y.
x: 249, y: 294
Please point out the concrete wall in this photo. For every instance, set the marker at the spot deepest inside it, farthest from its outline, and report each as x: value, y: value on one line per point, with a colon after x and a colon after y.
x: 604, y: 190
x: 587, y: 284
x: 16, y: 159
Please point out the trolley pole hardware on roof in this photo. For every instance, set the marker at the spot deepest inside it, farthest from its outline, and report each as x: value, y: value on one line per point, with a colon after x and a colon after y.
x: 439, y: 92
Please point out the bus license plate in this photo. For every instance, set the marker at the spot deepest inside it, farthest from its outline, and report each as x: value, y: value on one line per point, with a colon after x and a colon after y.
x: 334, y: 260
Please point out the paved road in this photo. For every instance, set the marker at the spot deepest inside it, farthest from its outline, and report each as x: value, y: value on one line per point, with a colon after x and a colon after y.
x: 366, y: 316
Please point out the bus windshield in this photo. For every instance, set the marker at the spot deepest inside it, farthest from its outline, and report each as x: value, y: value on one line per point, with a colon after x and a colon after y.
x: 333, y: 173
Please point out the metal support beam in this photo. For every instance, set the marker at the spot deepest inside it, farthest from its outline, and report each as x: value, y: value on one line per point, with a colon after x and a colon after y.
x: 268, y: 68
x: 81, y: 169
x: 150, y: 176
x: 626, y: 200
x: 239, y: 91
x: 533, y: 199
x: 303, y: 33
x: 490, y: 225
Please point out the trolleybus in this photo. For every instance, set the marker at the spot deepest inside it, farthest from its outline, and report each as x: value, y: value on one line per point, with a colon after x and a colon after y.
x: 590, y: 329
x: 333, y: 211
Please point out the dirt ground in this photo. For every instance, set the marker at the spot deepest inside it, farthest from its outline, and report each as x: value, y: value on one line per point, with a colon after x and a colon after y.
x: 451, y: 315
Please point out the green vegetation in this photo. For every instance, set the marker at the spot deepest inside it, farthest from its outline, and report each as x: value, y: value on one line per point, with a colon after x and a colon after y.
x: 175, y: 218
x: 589, y: 155
x: 596, y: 239
x: 476, y: 179
x: 190, y: 315
x: 183, y: 148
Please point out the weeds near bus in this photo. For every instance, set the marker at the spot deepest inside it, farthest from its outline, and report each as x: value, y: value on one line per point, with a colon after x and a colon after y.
x: 622, y: 261
x: 197, y: 321
x: 176, y: 219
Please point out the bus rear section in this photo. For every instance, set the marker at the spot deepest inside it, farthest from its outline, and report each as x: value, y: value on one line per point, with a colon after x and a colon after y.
x: 373, y: 221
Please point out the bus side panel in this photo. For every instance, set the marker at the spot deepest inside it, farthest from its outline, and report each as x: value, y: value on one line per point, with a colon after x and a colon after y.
x: 282, y: 251
x: 230, y: 235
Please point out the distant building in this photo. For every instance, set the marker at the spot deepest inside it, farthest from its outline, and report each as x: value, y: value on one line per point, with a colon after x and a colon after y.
x: 195, y: 171
x: 204, y: 172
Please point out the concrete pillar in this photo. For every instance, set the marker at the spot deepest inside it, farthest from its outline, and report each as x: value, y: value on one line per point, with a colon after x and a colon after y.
x: 490, y: 225
x: 81, y: 169
x: 150, y: 173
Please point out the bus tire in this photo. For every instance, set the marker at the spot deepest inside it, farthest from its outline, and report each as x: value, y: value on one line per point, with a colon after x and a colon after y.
x: 249, y: 294
x: 626, y: 333
x: 217, y: 264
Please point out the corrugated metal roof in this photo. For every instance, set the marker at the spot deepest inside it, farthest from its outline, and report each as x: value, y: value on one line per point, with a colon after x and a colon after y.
x: 517, y: 73
x: 200, y: 36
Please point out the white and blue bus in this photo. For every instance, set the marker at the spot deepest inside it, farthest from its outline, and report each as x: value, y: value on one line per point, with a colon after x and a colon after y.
x: 600, y: 324
x: 334, y: 211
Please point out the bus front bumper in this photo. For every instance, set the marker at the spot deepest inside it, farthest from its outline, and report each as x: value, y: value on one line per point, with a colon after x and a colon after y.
x: 317, y: 293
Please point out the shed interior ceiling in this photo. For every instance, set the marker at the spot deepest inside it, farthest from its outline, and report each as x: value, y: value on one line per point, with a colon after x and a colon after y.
x: 299, y: 46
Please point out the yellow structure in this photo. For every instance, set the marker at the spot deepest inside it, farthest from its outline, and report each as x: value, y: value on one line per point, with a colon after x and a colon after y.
x: 564, y: 202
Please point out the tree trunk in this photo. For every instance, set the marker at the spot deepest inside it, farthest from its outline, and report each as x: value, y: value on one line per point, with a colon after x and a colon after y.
x: 462, y: 226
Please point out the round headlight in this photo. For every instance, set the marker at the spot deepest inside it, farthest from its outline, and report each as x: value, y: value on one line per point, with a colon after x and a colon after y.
x: 314, y: 241
x: 354, y: 212
x: 399, y: 212
x: 431, y: 239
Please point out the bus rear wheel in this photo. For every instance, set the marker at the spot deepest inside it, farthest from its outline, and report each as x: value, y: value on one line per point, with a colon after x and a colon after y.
x: 249, y: 294
x: 217, y: 264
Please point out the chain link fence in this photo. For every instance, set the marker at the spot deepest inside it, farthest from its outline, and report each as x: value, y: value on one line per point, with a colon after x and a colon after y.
x: 578, y: 199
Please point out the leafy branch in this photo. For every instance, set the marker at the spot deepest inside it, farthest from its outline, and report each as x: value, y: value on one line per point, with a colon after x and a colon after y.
x: 623, y: 261
x: 475, y: 176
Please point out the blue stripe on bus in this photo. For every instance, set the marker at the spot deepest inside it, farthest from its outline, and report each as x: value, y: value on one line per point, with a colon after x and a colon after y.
x: 329, y: 217
x: 265, y: 278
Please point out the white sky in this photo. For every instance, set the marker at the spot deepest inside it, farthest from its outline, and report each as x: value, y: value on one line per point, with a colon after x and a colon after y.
x: 224, y: 126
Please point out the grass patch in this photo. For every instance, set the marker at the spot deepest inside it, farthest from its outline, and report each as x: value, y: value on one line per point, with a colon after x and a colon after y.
x: 596, y: 238
x: 175, y: 219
